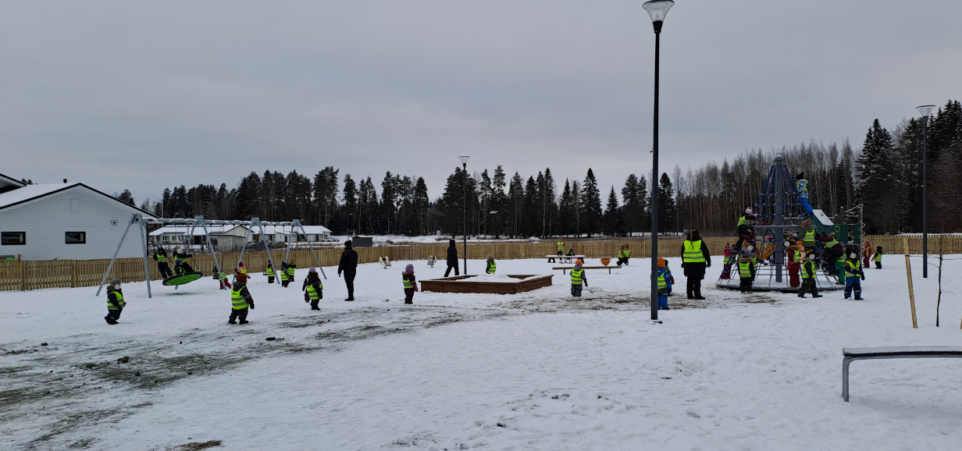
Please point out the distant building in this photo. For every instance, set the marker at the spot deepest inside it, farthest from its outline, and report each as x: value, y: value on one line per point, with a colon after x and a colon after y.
x: 63, y: 222
x: 231, y: 238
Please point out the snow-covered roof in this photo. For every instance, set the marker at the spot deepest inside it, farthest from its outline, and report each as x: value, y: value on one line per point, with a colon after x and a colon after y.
x: 6, y: 182
x: 308, y: 229
x: 32, y: 192
x: 184, y: 230
x: 218, y: 229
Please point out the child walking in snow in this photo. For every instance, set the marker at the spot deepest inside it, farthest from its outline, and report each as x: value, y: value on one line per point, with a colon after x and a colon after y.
x: 410, y: 284
x: 115, y: 302
x: 313, y: 289
x: 878, y: 257
x: 578, y: 279
x: 853, y: 277
x: 270, y: 273
x: 492, y: 266
x: 669, y: 279
x: 808, y: 277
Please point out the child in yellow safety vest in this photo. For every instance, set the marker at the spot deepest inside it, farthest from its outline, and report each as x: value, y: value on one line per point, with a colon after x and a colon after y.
x: 270, y: 273
x: 313, y: 289
x: 578, y: 278
x: 663, y: 279
x: 410, y: 284
x: 746, y: 273
x: 240, y: 299
x: 219, y: 275
x: 491, y: 265
x: 808, y: 276
x: 115, y: 302
x: 878, y: 257
x: 853, y: 277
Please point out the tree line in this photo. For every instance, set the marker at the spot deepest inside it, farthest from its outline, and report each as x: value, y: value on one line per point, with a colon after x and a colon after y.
x: 884, y: 176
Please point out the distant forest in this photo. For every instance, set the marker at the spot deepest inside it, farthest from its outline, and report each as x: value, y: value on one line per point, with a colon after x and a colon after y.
x: 885, y: 176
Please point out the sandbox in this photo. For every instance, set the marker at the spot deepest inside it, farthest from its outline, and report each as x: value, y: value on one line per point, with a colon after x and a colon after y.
x: 487, y: 284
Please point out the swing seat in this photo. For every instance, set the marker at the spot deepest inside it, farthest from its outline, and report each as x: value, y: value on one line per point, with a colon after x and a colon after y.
x: 182, y: 279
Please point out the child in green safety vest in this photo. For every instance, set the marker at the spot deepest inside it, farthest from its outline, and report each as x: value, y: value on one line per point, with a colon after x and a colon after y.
x: 663, y: 285
x: 746, y: 273
x: 839, y: 265
x: 578, y: 278
x: 491, y: 266
x: 313, y: 289
x: 290, y: 271
x: 410, y: 284
x: 115, y: 302
x: 285, y: 275
x: 240, y: 298
x: 853, y: 277
x: 270, y: 273
x: 623, y: 255
x: 219, y: 275
x: 878, y: 257
x: 162, y: 263
x: 808, y: 276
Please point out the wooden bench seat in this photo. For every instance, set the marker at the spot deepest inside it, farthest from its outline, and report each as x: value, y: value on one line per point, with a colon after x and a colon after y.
x: 850, y: 355
x: 568, y: 268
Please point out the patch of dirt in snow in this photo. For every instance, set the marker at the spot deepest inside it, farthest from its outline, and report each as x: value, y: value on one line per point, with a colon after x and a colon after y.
x: 50, y: 391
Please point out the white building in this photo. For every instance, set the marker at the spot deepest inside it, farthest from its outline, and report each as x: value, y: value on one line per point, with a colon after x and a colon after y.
x: 230, y: 238
x: 63, y: 221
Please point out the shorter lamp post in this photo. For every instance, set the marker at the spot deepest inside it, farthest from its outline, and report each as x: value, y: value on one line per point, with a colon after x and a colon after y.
x: 464, y: 207
x: 925, y: 111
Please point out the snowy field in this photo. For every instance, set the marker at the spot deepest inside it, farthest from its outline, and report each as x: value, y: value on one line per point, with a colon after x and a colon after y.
x: 536, y: 371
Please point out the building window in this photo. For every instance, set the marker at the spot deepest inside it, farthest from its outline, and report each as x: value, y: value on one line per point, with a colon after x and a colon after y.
x: 13, y: 238
x: 75, y: 237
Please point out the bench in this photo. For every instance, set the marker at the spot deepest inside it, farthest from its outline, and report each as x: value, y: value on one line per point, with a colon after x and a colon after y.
x: 564, y: 258
x: 568, y: 268
x: 895, y: 352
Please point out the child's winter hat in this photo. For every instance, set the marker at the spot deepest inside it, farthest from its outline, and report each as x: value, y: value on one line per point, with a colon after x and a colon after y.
x: 114, y: 283
x: 409, y: 268
x: 312, y: 270
x: 801, y: 175
x: 579, y: 262
x: 748, y: 210
x: 662, y: 262
x: 241, y: 277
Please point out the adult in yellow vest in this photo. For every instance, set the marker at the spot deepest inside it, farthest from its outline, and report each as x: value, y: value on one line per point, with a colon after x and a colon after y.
x: 694, y: 259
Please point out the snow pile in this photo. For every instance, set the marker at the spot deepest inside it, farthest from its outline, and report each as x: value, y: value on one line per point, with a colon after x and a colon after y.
x: 487, y: 278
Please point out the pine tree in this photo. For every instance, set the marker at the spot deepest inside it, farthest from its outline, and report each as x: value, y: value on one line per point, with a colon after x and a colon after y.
x: 613, y: 214
x: 516, y: 207
x: 126, y: 197
x: 878, y: 186
x: 591, y: 201
x: 421, y: 204
x: 499, y: 203
x: 532, y: 215
x: 578, y: 207
x: 666, y: 205
x: 634, y: 196
x: 566, y: 211
x: 549, y: 206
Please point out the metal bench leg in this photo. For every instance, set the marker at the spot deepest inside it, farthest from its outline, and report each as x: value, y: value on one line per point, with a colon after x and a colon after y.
x: 845, y: 363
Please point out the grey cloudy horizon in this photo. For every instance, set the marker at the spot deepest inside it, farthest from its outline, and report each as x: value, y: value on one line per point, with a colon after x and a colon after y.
x: 147, y: 95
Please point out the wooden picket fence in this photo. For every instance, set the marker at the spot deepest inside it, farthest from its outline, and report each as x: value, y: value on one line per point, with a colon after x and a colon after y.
x: 34, y: 275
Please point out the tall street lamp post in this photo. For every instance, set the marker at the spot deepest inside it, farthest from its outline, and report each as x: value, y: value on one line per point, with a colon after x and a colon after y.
x: 657, y: 9
x: 464, y: 208
x: 926, y: 111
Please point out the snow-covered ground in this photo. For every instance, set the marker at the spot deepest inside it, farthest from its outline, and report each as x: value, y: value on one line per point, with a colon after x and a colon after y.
x: 538, y: 371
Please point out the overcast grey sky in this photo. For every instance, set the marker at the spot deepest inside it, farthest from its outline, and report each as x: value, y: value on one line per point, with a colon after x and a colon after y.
x: 147, y: 95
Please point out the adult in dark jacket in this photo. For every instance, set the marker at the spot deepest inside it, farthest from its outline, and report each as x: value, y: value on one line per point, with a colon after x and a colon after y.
x: 348, y: 266
x: 452, y: 259
x: 695, y: 258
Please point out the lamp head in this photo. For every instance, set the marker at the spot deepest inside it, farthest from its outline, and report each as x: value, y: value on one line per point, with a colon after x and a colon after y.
x: 658, y: 9
x: 464, y: 159
x: 925, y: 110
